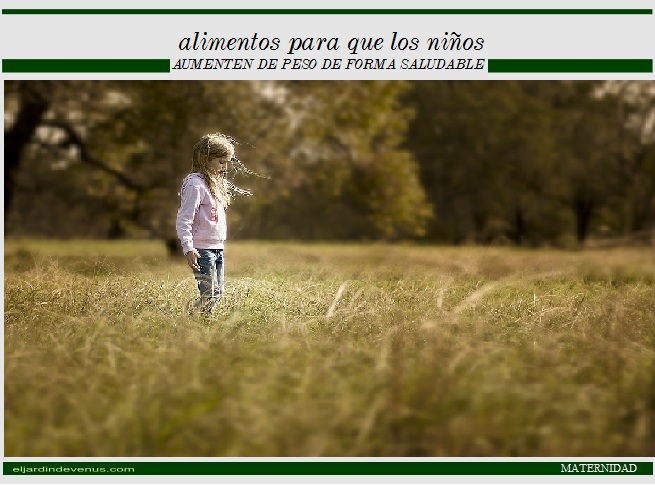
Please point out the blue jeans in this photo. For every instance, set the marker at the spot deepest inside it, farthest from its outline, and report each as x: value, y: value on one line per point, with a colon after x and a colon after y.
x: 210, y: 278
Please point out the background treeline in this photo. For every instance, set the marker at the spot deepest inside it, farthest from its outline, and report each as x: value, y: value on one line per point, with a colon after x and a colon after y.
x: 523, y: 162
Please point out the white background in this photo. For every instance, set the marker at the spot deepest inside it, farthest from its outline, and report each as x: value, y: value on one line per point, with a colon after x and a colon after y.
x: 505, y: 36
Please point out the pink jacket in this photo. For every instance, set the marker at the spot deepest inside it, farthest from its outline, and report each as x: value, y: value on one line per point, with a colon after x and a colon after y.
x: 201, y: 221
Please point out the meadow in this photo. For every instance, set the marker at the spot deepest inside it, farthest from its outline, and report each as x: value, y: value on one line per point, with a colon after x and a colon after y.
x: 329, y: 350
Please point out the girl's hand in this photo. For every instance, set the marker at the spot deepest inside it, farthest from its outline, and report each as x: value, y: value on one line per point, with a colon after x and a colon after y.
x: 192, y: 259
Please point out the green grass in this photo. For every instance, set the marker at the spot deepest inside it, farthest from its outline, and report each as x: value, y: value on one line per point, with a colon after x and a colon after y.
x: 329, y: 350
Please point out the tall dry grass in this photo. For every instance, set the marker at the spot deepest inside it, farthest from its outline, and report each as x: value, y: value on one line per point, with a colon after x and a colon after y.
x: 330, y: 350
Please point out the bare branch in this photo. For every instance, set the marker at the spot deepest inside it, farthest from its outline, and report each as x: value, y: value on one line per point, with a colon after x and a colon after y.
x: 74, y: 139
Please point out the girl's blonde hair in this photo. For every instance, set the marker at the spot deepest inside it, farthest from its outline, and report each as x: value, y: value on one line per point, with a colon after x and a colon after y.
x: 213, y: 145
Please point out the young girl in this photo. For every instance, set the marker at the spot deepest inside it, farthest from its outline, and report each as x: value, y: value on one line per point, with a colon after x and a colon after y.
x: 201, y: 222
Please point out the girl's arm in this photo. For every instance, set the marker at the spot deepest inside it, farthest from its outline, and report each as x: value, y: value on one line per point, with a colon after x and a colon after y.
x: 189, y: 203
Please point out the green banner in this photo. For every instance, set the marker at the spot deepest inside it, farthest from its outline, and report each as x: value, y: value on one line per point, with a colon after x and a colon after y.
x: 385, y: 468
x: 86, y: 65
x: 570, y: 65
x: 327, y: 11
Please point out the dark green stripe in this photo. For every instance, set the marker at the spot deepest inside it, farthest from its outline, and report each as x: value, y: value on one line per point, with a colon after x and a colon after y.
x: 85, y: 65
x: 326, y: 468
x: 570, y: 65
x: 329, y: 11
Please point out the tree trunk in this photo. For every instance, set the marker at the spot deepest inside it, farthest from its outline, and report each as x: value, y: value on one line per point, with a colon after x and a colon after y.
x: 34, y: 103
x: 583, y: 212
x: 173, y: 247
x: 116, y: 229
x: 519, y: 232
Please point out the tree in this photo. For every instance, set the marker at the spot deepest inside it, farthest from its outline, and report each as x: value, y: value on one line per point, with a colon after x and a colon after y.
x: 633, y: 119
x: 524, y: 159
x: 483, y: 149
x: 121, y: 149
x: 343, y: 174
x: 31, y: 101
x: 126, y: 143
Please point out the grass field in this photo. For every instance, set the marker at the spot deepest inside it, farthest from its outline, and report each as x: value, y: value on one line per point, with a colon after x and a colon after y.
x: 330, y: 350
